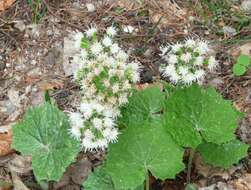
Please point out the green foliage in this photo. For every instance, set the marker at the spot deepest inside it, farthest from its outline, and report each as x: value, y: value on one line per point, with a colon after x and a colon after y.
x: 145, y: 105
x: 38, y: 9
x: 141, y: 148
x: 242, y: 64
x: 154, y: 119
x: 194, y: 115
x: 244, y: 60
x: 224, y: 155
x: 191, y: 187
x: 43, y: 134
x: 214, y: 13
x: 157, y: 123
x: 239, y: 70
x: 100, y: 180
x: 85, y: 43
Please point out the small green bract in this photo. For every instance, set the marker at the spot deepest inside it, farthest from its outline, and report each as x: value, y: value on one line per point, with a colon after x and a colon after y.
x: 43, y: 134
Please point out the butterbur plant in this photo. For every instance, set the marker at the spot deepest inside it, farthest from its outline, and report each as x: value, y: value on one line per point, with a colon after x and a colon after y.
x: 187, y: 62
x: 159, y: 130
x: 106, y: 78
x: 145, y: 132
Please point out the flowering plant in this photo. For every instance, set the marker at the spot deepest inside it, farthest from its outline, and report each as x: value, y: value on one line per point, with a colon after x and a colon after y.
x: 106, y: 78
x: 188, y: 62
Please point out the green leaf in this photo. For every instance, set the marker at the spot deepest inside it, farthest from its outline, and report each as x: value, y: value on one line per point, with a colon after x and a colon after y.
x: 244, y: 60
x: 85, y: 43
x: 144, y: 105
x: 191, y: 187
x: 239, y: 69
x: 100, y: 180
x: 224, y: 155
x: 43, y: 134
x: 47, y: 96
x: 193, y: 114
x: 142, y: 148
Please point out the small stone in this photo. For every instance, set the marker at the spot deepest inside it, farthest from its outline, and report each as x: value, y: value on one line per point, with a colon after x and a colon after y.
x: 34, y: 89
x: 34, y: 72
x: 9, y: 107
x: 207, y: 32
x: 90, y: 7
x: 33, y: 62
x: 2, y: 66
x: 128, y: 29
x: 228, y: 30
x: 246, y: 6
x: 28, y: 89
x: 20, y: 25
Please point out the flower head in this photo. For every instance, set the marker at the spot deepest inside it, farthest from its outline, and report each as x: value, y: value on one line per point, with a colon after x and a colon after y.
x: 106, y: 77
x: 188, y: 62
x: 96, y: 48
x: 111, y: 31
x: 91, y: 31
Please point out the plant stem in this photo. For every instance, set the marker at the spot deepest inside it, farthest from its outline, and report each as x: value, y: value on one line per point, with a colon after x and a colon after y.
x: 147, y: 181
x: 189, y: 166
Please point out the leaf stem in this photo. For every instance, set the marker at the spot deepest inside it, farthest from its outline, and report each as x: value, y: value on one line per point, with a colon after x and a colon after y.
x: 147, y: 181
x: 189, y: 166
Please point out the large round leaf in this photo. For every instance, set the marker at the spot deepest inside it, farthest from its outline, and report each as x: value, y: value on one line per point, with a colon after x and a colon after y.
x: 142, y: 148
x: 193, y: 114
x: 43, y: 134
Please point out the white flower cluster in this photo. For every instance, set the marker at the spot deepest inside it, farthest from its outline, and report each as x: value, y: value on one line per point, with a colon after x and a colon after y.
x: 106, y: 78
x: 188, y: 62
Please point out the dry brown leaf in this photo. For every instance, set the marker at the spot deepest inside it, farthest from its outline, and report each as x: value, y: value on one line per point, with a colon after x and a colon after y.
x: 50, y: 85
x: 20, y: 164
x: 166, y: 13
x: 17, y: 183
x: 244, y: 49
x: 209, y: 171
x: 4, y: 4
x: 148, y: 85
x: 128, y: 4
x: 243, y: 183
x: 163, y: 11
x: 5, y: 140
